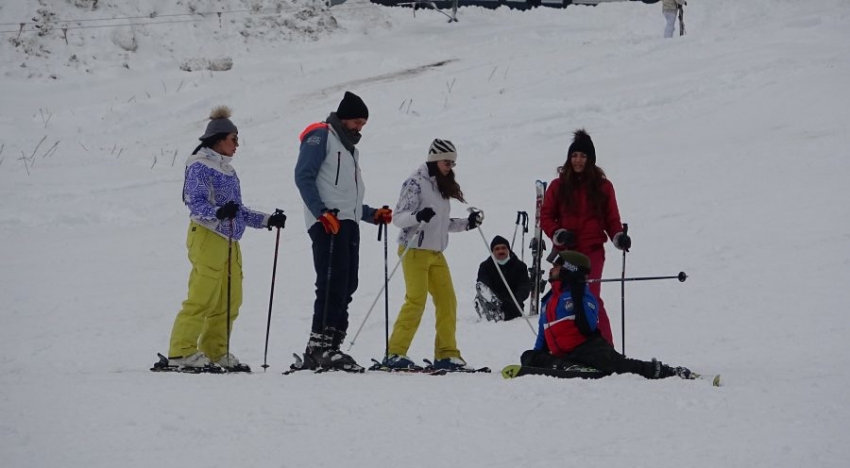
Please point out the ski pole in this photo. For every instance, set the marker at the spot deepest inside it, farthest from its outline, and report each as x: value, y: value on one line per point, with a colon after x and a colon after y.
x: 229, y: 262
x: 384, y: 227
x: 516, y: 228
x: 328, y: 282
x: 524, y: 230
x: 384, y: 287
x: 681, y: 277
x: 502, y: 275
x: 521, y: 220
x: 271, y: 295
x: 520, y: 216
x: 623, y: 294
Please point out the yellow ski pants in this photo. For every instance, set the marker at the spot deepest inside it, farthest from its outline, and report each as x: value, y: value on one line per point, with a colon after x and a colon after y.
x: 202, y: 322
x: 426, y: 271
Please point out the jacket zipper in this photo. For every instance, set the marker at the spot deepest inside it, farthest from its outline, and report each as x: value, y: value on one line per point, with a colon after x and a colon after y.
x: 356, y: 184
x: 338, y: 163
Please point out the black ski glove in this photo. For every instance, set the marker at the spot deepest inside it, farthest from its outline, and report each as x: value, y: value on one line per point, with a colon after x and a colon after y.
x: 564, y: 238
x: 228, y: 211
x: 425, y: 214
x: 622, y: 241
x: 277, y: 220
x: 475, y: 219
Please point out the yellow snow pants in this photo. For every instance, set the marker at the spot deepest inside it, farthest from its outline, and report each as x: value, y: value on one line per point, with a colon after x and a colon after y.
x: 202, y: 322
x: 426, y: 271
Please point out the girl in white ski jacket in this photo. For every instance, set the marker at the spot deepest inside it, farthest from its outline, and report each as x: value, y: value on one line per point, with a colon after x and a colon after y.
x: 425, y: 199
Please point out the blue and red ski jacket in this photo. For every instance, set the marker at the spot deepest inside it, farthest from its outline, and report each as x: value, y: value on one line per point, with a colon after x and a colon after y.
x: 560, y: 328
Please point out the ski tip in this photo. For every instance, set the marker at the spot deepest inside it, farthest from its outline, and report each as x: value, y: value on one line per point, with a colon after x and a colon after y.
x: 511, y: 371
x: 716, y: 381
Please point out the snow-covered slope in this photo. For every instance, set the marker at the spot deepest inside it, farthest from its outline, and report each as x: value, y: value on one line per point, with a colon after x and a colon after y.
x: 728, y: 150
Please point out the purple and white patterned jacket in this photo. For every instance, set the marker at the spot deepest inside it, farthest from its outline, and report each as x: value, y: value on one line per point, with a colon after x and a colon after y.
x: 209, y: 183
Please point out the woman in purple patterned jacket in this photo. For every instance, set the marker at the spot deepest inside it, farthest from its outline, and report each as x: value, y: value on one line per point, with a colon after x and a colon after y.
x: 211, y: 192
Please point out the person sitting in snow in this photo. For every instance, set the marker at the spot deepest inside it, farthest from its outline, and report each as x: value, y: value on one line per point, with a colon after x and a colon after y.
x: 515, y: 272
x: 568, y: 333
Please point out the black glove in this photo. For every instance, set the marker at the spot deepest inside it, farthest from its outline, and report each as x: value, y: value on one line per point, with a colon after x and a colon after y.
x: 564, y: 238
x: 475, y: 219
x: 425, y: 214
x: 228, y: 211
x: 278, y: 220
x: 622, y: 241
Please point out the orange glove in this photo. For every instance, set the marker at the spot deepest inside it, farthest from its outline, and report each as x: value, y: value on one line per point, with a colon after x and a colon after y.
x: 383, y: 215
x: 329, y: 222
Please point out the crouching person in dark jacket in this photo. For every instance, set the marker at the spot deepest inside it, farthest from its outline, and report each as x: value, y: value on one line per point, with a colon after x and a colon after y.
x: 568, y: 333
x: 499, y: 305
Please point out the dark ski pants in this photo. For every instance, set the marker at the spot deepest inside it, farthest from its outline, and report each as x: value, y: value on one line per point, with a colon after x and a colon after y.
x: 344, y: 266
x: 596, y: 353
x: 509, y: 308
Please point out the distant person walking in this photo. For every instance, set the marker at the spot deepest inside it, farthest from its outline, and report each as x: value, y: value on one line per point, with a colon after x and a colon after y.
x: 669, y: 8
x: 218, y: 219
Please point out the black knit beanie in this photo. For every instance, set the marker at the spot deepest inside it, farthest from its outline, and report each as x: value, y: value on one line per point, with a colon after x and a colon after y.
x: 352, y: 107
x: 499, y: 240
x: 582, y: 143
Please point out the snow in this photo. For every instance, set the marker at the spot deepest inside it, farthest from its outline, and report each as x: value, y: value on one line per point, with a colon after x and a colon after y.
x: 728, y: 149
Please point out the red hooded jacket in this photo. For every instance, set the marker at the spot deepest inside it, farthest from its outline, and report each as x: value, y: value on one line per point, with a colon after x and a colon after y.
x: 589, y: 229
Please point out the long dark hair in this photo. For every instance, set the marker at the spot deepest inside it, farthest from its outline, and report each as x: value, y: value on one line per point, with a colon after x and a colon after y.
x: 446, y: 184
x: 210, y: 142
x: 591, y: 178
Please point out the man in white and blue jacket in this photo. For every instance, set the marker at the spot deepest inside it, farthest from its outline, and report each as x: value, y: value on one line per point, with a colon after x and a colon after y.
x: 328, y: 177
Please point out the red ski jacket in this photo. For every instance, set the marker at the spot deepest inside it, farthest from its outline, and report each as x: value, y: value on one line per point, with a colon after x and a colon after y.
x: 590, y: 230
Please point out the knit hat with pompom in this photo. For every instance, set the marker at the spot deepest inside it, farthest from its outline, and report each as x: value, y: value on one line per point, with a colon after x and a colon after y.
x: 219, y: 123
x: 583, y: 144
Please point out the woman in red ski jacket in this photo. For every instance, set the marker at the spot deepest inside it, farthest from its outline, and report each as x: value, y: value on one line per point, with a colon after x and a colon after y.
x: 580, y: 213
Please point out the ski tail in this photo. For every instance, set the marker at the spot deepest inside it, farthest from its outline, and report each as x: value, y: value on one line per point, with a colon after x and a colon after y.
x: 537, y: 247
x: 571, y: 372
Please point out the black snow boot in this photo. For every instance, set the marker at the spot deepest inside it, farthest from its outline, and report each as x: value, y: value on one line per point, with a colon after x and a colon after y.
x: 662, y: 371
x: 313, y: 353
x: 333, y: 357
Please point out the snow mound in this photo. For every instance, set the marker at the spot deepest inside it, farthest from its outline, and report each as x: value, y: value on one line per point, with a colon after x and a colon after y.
x: 54, y: 39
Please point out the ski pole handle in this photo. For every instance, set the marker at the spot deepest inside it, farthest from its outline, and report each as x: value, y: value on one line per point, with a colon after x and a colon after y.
x: 382, y: 226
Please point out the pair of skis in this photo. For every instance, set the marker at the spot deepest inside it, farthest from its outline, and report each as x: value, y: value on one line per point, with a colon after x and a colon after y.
x: 163, y: 366
x: 377, y: 366
x: 537, y: 247
x: 428, y: 369
x: 583, y: 372
x: 681, y: 20
x: 298, y: 365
